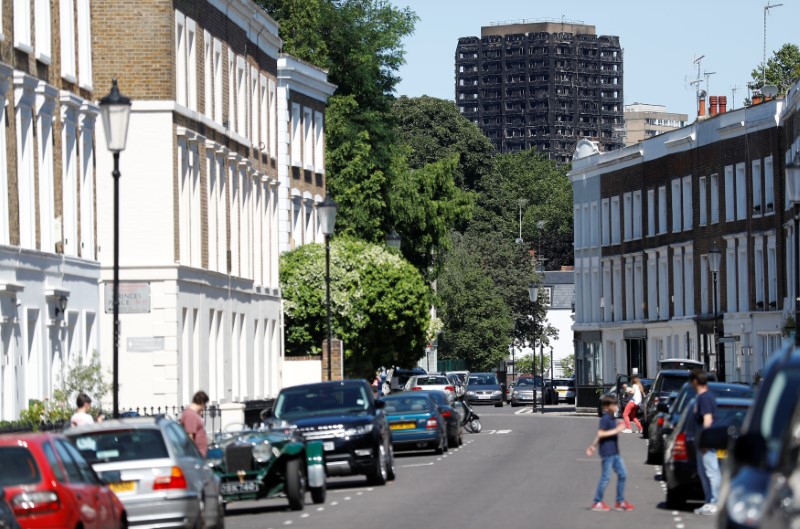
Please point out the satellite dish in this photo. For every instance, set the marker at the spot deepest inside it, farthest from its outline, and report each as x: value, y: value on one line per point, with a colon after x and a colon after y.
x: 769, y: 90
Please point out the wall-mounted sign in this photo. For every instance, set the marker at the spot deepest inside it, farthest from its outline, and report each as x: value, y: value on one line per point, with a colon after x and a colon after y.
x: 134, y: 298
x: 145, y: 344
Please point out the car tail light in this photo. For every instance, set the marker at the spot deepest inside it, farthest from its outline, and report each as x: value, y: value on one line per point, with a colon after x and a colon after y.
x: 679, y: 452
x: 175, y: 480
x: 416, y: 388
x: 446, y: 413
x: 660, y: 421
x: 29, y: 503
x: 656, y: 400
x: 450, y: 388
x: 432, y: 423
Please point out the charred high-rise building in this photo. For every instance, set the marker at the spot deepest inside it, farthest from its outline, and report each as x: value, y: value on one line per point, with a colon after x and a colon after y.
x: 542, y: 85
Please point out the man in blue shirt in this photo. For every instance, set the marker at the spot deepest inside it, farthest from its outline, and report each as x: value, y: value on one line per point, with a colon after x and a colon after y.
x: 608, y: 451
x: 705, y: 410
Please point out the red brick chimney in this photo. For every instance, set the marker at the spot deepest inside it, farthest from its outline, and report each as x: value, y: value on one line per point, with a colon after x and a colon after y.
x: 723, y: 104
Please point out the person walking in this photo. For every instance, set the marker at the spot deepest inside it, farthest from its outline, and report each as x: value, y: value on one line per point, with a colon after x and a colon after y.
x: 192, y: 421
x: 81, y: 416
x: 705, y: 410
x: 632, y: 407
x: 607, y: 445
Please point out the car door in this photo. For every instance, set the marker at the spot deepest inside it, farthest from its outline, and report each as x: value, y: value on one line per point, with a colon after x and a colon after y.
x: 194, y: 468
x: 106, y: 517
x: 82, y: 489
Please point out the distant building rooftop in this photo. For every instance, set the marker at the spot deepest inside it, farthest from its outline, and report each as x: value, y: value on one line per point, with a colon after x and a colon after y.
x: 558, y: 278
x: 541, y: 25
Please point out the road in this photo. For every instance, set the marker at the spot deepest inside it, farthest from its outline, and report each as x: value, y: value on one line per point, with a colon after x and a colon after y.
x: 523, y: 470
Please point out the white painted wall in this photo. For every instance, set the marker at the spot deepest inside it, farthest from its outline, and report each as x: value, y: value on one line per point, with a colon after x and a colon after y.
x: 296, y: 372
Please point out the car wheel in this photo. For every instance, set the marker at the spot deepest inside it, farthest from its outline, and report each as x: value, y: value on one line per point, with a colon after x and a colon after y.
x: 378, y: 474
x: 220, y: 513
x: 200, y: 523
x: 318, y: 494
x: 295, y: 485
x: 391, y: 469
x: 499, y: 405
x: 676, y: 498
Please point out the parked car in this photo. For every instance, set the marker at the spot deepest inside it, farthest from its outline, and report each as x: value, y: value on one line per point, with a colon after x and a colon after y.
x: 452, y: 416
x: 416, y: 422
x: 680, y: 363
x: 526, y: 391
x: 155, y: 470
x: 565, y: 388
x: 483, y: 388
x: 756, y: 453
x: 680, y: 459
x: 783, y: 495
x: 267, y: 462
x: 550, y: 395
x: 48, y: 483
x: 432, y: 382
x: 666, y: 382
x: 349, y: 422
x: 669, y: 414
x: 7, y: 519
x: 397, y: 378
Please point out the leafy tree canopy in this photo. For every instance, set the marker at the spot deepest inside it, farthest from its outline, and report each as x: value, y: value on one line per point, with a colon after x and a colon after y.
x: 380, y: 304
x: 783, y: 68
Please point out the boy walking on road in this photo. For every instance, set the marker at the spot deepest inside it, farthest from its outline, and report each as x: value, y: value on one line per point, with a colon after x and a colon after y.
x: 607, y: 446
x: 705, y: 409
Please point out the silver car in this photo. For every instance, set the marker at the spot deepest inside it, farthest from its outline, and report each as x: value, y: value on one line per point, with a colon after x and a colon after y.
x: 432, y: 382
x: 155, y: 470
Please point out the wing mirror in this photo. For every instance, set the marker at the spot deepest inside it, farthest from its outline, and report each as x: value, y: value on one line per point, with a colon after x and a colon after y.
x: 265, y: 414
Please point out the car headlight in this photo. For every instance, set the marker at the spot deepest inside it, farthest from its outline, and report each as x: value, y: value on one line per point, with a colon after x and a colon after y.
x: 358, y: 430
x: 471, y: 393
x: 262, y: 452
x: 745, y: 507
x: 516, y: 393
x: 496, y: 393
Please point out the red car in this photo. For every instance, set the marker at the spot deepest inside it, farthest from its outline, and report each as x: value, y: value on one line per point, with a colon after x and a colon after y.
x: 50, y: 485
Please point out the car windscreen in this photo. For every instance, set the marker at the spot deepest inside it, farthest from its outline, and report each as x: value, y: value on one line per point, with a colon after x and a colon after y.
x: 482, y: 380
x: 564, y: 383
x: 460, y: 376
x: 671, y: 384
x: 408, y: 404
x: 321, y: 400
x: 724, y: 416
x: 121, y: 445
x: 432, y: 381
x: 776, y: 411
x: 18, y: 467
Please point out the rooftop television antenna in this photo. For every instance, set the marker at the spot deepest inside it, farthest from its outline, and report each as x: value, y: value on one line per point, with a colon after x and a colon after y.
x: 767, y: 7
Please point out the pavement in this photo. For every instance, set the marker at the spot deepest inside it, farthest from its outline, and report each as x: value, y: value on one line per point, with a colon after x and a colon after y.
x: 524, y: 470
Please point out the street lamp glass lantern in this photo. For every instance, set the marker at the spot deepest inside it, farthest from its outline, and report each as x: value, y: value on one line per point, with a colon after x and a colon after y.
x: 115, y: 111
x: 393, y: 240
x: 793, y: 178
x: 533, y: 292
x: 327, y: 215
x: 714, y: 258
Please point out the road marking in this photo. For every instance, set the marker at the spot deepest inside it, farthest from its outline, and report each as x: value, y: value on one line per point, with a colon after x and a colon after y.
x: 334, y: 503
x: 359, y: 493
x: 320, y: 509
x: 677, y: 519
x: 305, y: 515
x: 489, y: 432
x: 347, y: 498
x: 679, y: 526
x: 287, y: 522
x: 503, y: 431
x: 418, y: 465
x: 523, y: 411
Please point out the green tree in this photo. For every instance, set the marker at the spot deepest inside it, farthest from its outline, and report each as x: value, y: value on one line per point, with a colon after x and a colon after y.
x: 477, y: 322
x: 379, y: 301
x: 529, y: 365
x: 783, y: 68
x: 568, y: 365
x: 434, y: 129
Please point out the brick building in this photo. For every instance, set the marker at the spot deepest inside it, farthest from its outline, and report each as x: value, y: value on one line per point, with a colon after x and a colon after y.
x: 224, y: 132
x: 645, y: 219
x: 49, y: 273
x: 541, y: 85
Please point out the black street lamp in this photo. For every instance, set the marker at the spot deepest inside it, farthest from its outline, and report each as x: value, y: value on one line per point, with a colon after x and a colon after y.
x: 533, y: 294
x: 115, y: 111
x: 714, y: 258
x: 393, y: 240
x: 327, y: 219
x: 793, y: 185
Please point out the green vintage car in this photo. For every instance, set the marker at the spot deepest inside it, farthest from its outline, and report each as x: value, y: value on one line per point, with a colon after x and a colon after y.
x: 267, y: 462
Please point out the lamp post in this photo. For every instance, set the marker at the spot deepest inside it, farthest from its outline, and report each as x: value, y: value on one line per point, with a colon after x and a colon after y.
x: 551, y: 364
x: 115, y: 111
x: 793, y: 185
x: 714, y: 258
x: 393, y: 240
x: 533, y: 294
x: 521, y: 202
x: 327, y: 218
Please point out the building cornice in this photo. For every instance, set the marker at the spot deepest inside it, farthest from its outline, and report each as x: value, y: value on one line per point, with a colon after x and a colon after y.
x: 304, y: 78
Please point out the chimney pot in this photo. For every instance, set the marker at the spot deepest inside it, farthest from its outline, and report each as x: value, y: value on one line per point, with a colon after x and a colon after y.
x: 723, y: 104
x: 712, y: 106
x: 701, y: 106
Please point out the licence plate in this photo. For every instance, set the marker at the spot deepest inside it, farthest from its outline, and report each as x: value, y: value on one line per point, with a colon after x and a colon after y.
x: 722, y: 454
x: 562, y: 392
x: 403, y: 426
x: 328, y: 446
x: 238, y: 488
x: 483, y: 396
x: 122, y: 486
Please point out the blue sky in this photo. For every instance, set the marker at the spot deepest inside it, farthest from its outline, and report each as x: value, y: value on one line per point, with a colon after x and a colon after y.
x: 660, y: 39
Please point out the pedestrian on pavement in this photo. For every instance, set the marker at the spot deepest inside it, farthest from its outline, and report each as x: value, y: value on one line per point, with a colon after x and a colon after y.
x: 632, y: 407
x: 81, y: 415
x: 192, y: 421
x: 705, y: 410
x: 607, y: 445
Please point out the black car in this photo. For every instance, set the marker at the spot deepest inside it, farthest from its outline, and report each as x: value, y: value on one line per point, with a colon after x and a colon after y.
x: 665, y: 383
x: 781, y: 509
x: 756, y: 453
x: 483, y: 388
x: 451, y: 417
x: 669, y: 414
x: 7, y: 519
x: 680, y: 458
x: 347, y: 419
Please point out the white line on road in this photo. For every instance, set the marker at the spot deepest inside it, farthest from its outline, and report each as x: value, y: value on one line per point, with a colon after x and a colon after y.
x: 320, y: 509
x: 305, y: 515
x: 503, y: 431
x: 417, y: 465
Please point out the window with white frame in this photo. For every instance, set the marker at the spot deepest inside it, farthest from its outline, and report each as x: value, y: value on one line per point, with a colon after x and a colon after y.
x: 662, y: 209
x: 638, y: 285
x: 617, y: 290
x: 319, y: 142
x: 688, y: 281
x: 191, y: 63
x: 212, y: 189
x: 296, y: 139
x: 704, y: 272
x: 263, y: 106
x: 744, y: 271
x: 222, y: 214
x: 758, y: 204
x: 769, y: 186
x: 606, y: 299
x: 69, y: 182
x: 758, y: 272
x: 688, y: 211
x: 5, y: 227
x: 676, y: 205
x: 25, y: 178
x: 651, y: 212
x: 637, y: 214
x: 604, y: 222
x: 627, y: 215
x: 273, y: 126
x: 652, y: 286
x: 714, y: 198
x: 84, y: 44
x: 43, y: 31
x: 772, y: 274
x: 308, y: 139
x: 730, y: 204
x: 593, y: 228
x: 180, y: 58
x: 663, y: 285
x: 218, y: 88
x: 255, y: 115
x: 208, y: 75
x: 587, y: 224
x: 46, y: 180
x: 730, y: 275
x: 231, y: 90
x: 234, y: 209
x: 22, y: 25
x: 189, y: 206
x: 741, y: 192
x: 241, y: 96
x: 702, y: 198
x: 629, y: 289
x: 87, y: 241
x: 578, y: 226
x: 615, y: 220
x: 677, y: 282
x: 67, y: 36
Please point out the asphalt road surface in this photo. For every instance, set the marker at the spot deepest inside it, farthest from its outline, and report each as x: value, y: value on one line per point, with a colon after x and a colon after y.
x: 522, y: 471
